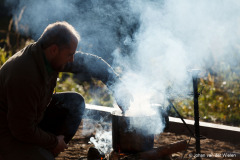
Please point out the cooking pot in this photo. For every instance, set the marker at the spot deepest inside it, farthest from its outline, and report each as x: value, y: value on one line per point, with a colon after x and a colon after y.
x: 129, y: 138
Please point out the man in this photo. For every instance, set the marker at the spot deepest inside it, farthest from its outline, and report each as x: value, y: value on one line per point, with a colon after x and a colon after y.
x: 34, y: 122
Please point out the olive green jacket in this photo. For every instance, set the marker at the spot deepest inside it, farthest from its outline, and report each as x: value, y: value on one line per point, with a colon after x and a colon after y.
x: 26, y: 88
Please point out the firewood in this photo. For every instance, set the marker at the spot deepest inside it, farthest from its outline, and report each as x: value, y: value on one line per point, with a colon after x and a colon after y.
x: 163, y: 151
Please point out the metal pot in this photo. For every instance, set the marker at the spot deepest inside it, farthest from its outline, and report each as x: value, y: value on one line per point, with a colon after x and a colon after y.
x: 129, y: 139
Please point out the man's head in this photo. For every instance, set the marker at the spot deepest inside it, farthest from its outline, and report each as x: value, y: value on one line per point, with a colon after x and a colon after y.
x: 59, y: 42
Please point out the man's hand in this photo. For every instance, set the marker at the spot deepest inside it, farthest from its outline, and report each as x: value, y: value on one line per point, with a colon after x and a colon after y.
x: 60, y: 146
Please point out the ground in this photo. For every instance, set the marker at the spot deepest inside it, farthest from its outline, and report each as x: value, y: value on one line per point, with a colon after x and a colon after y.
x: 79, y: 145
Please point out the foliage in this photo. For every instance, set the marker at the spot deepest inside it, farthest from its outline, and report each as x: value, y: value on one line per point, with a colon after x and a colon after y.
x: 4, y: 55
x: 220, y: 99
x: 220, y: 102
x: 94, y: 92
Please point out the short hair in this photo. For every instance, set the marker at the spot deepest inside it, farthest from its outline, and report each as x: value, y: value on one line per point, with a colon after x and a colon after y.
x: 59, y: 33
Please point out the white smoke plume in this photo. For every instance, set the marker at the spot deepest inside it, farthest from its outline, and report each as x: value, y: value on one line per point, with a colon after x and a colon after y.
x: 102, y: 141
x: 175, y: 37
x: 101, y: 24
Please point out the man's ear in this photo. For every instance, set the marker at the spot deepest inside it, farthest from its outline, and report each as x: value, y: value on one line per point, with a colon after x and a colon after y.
x: 54, y: 50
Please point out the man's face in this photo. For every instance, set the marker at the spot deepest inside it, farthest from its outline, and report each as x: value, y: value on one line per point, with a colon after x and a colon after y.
x: 64, y: 56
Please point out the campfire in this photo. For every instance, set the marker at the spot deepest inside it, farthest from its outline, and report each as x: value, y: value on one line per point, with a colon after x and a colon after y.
x: 130, y: 143
x: 151, y: 154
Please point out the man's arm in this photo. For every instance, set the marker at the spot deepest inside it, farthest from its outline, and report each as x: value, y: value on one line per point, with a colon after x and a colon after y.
x: 92, y: 66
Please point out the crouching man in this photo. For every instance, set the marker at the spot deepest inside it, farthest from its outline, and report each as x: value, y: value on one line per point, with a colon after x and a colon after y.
x: 35, y: 122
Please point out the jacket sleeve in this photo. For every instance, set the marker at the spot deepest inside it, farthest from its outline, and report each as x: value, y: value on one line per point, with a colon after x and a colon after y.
x: 23, y: 101
x: 93, y: 66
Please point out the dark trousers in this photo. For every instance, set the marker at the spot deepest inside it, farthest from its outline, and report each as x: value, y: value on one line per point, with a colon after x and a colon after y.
x: 64, y: 114
x: 62, y: 117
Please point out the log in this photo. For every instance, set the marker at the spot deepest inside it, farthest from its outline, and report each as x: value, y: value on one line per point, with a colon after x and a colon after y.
x: 163, y: 151
x: 94, y: 154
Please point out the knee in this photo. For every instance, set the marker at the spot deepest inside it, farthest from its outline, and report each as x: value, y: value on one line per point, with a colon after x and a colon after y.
x: 77, y: 102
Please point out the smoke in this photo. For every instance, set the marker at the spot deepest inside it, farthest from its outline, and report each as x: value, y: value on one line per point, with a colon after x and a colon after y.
x: 175, y: 37
x: 101, y: 24
x: 102, y: 141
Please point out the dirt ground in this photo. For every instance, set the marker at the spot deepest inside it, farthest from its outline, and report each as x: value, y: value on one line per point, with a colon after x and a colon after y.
x: 79, y: 145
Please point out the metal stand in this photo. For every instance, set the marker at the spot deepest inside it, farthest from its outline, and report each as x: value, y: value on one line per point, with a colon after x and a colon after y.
x: 196, y: 112
x: 196, y: 94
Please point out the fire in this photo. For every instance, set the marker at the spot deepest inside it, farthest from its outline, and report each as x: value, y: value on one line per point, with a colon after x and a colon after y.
x: 121, y: 154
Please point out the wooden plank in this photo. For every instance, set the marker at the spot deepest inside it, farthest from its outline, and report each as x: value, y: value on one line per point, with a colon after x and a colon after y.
x: 99, y: 113
x: 209, y: 130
